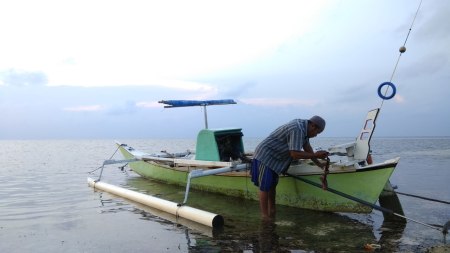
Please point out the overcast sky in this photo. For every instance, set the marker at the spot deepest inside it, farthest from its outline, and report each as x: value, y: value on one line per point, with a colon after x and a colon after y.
x: 96, y: 69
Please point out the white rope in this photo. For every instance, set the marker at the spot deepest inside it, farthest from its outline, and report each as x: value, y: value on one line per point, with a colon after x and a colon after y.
x: 418, y: 222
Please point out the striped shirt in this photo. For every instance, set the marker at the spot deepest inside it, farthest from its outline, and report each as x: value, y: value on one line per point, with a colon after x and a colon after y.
x: 273, y: 151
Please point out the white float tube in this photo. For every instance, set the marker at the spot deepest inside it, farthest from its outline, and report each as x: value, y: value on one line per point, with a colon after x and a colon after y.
x: 186, y: 212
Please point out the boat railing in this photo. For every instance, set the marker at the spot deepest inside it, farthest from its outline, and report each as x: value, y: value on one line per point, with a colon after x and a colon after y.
x: 185, y: 162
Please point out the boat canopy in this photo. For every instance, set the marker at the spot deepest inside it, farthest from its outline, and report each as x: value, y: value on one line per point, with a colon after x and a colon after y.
x: 185, y: 103
x: 219, y: 145
x: 204, y: 103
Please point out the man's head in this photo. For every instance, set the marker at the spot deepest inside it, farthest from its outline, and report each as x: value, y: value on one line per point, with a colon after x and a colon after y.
x: 316, y: 125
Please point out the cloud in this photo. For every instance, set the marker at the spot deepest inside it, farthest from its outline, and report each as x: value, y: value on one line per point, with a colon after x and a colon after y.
x: 148, y: 104
x: 84, y: 108
x: 277, y: 102
x: 187, y: 85
x: 429, y: 25
x: 15, y: 77
x: 428, y: 65
x: 129, y: 107
x: 237, y: 91
x: 152, y: 39
x: 399, y: 99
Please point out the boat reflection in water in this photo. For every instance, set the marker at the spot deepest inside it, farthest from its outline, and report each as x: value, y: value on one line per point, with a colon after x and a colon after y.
x: 244, y: 231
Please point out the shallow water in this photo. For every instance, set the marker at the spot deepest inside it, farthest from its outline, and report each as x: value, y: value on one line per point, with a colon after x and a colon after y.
x: 46, y: 205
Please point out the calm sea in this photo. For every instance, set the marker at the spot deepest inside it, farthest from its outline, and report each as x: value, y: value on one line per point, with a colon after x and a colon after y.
x: 46, y: 205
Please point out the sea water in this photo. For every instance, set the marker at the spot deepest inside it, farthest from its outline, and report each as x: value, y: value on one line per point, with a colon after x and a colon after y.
x: 47, y: 206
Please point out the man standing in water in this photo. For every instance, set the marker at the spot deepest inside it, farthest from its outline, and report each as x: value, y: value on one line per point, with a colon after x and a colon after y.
x: 275, y: 153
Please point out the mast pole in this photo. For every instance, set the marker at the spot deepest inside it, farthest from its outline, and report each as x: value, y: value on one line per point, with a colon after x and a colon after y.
x: 206, y: 117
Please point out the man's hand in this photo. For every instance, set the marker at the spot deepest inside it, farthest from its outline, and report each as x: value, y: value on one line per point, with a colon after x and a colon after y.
x: 322, y: 154
x: 320, y: 164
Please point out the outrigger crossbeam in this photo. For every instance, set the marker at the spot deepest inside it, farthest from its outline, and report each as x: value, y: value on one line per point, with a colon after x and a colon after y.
x: 203, y: 173
x: 108, y: 162
x: 111, y: 161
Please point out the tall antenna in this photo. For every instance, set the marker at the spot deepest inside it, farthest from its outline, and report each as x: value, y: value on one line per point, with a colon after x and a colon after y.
x: 401, y: 50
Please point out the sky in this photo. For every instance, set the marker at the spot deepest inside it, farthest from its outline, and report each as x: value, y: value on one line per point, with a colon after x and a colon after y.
x: 94, y: 69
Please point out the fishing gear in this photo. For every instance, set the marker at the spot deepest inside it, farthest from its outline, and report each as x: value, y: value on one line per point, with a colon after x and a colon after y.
x: 326, y: 170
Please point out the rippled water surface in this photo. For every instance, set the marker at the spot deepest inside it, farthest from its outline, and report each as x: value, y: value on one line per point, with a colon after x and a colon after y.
x: 46, y: 205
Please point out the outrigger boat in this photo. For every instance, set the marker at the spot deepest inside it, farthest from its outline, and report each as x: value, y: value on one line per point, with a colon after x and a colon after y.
x: 221, y: 165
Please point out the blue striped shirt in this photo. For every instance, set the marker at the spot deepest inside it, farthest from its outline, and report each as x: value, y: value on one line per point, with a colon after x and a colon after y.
x: 273, y: 151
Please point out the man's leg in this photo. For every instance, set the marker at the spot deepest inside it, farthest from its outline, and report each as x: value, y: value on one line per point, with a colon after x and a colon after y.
x: 271, y: 202
x: 267, y: 180
x: 264, y: 204
x: 267, y: 203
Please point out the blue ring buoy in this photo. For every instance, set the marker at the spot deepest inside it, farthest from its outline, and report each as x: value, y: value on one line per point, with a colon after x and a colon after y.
x: 394, y: 90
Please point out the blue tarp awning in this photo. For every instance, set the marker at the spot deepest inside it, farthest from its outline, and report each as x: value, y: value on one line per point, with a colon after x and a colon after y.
x: 184, y: 103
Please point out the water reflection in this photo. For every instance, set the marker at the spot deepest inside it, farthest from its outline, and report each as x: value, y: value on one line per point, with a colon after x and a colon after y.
x: 391, y: 233
x: 294, y: 230
x: 268, y: 239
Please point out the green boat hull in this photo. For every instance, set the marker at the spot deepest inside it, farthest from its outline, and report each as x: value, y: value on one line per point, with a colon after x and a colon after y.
x: 366, y: 184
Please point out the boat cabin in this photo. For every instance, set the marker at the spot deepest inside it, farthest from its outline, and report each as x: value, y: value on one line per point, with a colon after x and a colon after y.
x: 222, y: 145
x: 219, y: 145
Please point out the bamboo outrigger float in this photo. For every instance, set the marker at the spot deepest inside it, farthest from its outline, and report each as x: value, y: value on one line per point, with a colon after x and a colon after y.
x: 189, y: 213
x: 221, y: 165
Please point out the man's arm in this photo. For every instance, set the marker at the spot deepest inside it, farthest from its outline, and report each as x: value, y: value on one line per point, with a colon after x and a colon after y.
x: 309, y: 153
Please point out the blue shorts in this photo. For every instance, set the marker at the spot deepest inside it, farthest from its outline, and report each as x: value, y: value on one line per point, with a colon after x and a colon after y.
x: 263, y: 176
